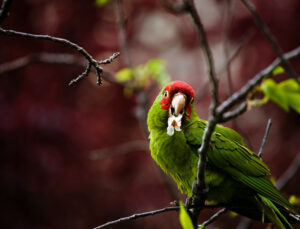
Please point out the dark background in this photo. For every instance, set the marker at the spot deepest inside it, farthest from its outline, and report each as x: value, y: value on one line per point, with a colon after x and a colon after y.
x: 49, y: 130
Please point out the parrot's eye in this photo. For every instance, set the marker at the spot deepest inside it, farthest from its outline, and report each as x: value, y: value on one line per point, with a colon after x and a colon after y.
x: 165, y: 94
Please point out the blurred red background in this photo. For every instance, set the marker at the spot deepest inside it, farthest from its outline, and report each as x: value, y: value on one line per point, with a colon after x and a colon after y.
x: 48, y: 129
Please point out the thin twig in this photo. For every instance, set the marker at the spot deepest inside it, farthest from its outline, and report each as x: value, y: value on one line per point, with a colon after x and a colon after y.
x: 4, y: 10
x: 243, y: 92
x: 150, y: 213
x: 213, y: 218
x: 289, y: 173
x: 136, y: 216
x: 227, y: 21
x: 122, y: 33
x: 260, y: 153
x: 174, y: 7
x: 191, y: 9
x: 268, y: 34
x: 109, y: 59
x: 92, y: 62
x: 229, y: 4
x: 233, y: 114
x: 54, y: 58
x: 122, y: 149
x: 201, y: 92
x: 49, y: 58
x: 82, y: 75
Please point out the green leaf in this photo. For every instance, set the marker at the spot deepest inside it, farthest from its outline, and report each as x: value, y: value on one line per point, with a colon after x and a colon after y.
x: 290, y: 85
x: 275, y: 93
x: 158, y: 71
x: 278, y: 70
x: 291, y: 89
x: 184, y: 218
x: 294, y: 200
x: 102, y: 2
x: 233, y: 214
x: 124, y: 75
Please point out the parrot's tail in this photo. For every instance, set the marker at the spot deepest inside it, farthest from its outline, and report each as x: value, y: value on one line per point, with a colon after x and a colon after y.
x: 270, y: 210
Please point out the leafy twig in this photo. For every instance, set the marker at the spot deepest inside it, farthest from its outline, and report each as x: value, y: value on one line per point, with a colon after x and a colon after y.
x: 213, y: 218
x: 268, y: 34
x: 91, y: 61
x: 244, y: 91
x: 260, y: 153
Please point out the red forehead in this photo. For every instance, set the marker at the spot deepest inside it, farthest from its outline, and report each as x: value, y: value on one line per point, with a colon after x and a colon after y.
x: 180, y: 86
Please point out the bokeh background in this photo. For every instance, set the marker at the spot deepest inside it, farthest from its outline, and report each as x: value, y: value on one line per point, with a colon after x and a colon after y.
x: 76, y: 157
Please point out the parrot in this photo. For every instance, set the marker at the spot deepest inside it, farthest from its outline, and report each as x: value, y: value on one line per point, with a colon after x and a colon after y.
x: 236, y: 177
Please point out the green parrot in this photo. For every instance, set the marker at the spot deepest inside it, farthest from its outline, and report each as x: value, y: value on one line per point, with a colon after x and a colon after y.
x: 236, y: 177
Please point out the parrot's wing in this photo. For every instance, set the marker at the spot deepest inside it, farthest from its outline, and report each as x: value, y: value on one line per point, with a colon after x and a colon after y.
x: 224, y: 152
x: 238, y: 162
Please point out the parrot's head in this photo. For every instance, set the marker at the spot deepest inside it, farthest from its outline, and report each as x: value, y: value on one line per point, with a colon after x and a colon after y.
x: 177, y: 98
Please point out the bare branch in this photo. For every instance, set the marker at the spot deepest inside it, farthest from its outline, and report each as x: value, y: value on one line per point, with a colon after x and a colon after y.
x: 243, y: 92
x: 91, y: 61
x: 227, y: 21
x: 213, y: 217
x: 136, y: 216
x: 49, y: 58
x: 233, y: 114
x: 122, y: 33
x: 268, y: 34
x: 191, y: 9
x: 145, y: 214
x: 54, y: 58
x: 289, y: 173
x: 260, y: 153
x: 174, y: 7
x: 81, y: 76
x: 4, y: 10
x: 122, y: 149
x: 199, y: 186
x: 109, y: 59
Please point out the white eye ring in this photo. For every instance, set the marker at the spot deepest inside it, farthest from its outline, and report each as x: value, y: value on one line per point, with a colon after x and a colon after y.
x: 165, y: 94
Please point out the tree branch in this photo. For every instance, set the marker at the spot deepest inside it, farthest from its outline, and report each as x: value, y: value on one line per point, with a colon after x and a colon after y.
x: 174, y: 8
x: 260, y: 153
x: 127, y: 147
x: 213, y: 218
x: 233, y: 114
x: 199, y: 186
x: 136, y: 216
x: 268, y: 34
x: 4, y: 10
x: 91, y: 61
x: 243, y: 92
x: 145, y: 214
